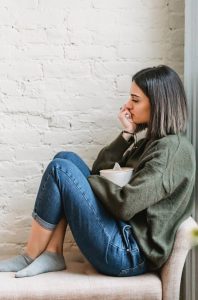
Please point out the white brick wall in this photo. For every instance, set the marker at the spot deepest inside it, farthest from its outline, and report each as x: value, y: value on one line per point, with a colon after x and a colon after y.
x: 65, y: 69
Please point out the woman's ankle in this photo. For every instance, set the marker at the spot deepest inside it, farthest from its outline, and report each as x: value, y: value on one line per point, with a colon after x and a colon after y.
x: 32, y: 253
x: 55, y: 249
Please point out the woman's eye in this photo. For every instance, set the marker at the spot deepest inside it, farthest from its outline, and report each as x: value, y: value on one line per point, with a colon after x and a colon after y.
x: 134, y: 100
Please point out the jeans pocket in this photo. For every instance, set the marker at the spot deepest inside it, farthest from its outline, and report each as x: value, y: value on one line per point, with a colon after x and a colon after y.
x: 136, y: 270
x: 133, y: 261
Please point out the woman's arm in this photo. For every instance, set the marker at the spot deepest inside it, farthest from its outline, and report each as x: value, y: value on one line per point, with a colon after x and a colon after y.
x: 112, y: 153
x: 145, y: 189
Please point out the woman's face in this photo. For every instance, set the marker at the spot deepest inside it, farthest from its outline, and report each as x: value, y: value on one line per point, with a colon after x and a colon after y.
x: 139, y: 105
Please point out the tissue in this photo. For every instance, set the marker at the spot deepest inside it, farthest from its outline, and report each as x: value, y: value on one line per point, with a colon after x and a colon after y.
x: 117, y: 167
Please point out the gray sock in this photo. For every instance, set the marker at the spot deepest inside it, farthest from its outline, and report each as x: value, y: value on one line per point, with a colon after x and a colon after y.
x: 46, y: 262
x: 16, y: 263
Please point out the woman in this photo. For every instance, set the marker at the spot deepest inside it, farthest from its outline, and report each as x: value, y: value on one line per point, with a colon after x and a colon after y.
x: 122, y: 231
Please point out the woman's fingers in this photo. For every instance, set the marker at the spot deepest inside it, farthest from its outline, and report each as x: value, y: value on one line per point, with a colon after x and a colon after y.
x: 128, y: 116
x: 126, y: 119
x: 125, y: 113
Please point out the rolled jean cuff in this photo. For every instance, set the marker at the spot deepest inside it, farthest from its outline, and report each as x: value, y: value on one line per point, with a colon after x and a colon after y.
x: 43, y: 223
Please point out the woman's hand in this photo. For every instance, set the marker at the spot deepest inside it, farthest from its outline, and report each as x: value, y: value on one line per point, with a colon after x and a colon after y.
x: 126, y: 120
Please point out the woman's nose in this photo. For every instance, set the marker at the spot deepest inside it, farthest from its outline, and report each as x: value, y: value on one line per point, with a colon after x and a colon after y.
x: 128, y: 104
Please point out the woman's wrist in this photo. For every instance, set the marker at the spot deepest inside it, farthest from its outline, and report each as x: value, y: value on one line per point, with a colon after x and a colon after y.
x: 127, y: 135
x: 128, y: 131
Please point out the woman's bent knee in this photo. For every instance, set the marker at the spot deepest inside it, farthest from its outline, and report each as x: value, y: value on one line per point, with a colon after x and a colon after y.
x: 73, y: 158
x: 65, y: 155
x: 59, y: 163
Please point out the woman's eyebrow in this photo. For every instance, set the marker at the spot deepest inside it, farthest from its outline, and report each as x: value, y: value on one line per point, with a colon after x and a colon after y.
x: 134, y: 95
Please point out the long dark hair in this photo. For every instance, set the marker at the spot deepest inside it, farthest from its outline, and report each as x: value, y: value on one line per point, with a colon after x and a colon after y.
x: 165, y: 91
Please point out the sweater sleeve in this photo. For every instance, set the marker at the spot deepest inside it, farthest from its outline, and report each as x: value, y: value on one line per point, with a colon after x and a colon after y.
x: 111, y: 154
x: 145, y: 189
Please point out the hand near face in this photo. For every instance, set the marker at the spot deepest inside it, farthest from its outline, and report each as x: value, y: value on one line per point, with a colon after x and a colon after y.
x: 136, y: 110
x: 126, y: 120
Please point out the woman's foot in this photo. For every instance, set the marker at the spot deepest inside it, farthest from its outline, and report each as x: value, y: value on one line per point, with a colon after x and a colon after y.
x: 46, y: 262
x: 16, y: 263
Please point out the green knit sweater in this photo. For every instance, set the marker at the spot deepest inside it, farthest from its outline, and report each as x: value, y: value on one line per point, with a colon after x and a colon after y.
x: 157, y: 198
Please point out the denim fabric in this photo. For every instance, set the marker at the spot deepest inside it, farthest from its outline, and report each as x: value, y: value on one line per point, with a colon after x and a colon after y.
x: 108, y: 244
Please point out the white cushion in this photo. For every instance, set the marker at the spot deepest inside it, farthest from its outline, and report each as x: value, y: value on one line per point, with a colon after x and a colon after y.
x: 80, y: 281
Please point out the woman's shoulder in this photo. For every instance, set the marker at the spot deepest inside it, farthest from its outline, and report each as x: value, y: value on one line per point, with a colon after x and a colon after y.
x: 178, y: 149
x: 174, y: 141
x: 171, y: 145
x: 164, y: 154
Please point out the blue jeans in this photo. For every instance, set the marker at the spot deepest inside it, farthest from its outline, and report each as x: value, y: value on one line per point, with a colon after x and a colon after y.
x: 107, y: 243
